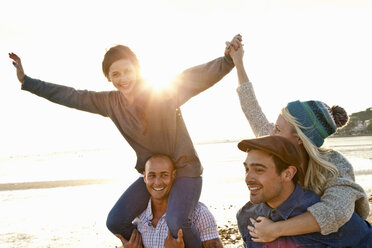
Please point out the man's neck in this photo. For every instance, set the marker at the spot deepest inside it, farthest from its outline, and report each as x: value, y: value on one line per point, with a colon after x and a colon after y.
x: 158, y: 207
x: 284, y: 195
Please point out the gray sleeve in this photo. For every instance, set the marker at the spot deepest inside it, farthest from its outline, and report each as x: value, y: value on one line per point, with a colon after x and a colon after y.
x: 341, y: 198
x: 199, y: 78
x: 90, y: 101
x: 252, y: 110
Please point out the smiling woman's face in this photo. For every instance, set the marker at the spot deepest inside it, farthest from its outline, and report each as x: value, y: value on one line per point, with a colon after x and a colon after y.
x: 123, y: 75
x: 284, y: 129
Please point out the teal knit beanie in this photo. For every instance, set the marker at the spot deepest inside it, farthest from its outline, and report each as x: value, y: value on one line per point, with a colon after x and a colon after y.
x: 317, y: 121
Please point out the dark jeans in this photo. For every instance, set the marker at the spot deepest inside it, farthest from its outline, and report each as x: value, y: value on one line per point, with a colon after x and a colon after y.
x: 183, y: 197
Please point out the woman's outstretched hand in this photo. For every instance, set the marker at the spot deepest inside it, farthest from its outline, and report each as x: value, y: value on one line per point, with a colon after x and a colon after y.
x: 18, y: 65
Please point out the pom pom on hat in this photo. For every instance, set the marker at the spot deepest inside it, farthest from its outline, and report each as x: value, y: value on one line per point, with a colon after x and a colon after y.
x: 339, y: 116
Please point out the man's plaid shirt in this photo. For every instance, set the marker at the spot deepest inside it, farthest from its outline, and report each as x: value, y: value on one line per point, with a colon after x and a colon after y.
x: 201, y: 218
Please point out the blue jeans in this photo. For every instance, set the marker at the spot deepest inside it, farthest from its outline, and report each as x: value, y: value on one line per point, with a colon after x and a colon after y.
x: 183, y: 198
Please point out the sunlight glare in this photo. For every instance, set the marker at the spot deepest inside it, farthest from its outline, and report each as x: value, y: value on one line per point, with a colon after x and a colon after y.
x: 158, y: 80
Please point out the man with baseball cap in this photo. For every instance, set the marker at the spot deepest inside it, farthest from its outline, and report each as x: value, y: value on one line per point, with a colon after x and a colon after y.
x: 272, y: 170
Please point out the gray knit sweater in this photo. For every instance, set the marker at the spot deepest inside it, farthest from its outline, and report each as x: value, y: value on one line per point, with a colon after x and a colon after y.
x: 341, y: 197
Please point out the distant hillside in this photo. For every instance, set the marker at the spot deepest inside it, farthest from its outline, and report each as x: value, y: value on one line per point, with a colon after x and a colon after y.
x: 363, y: 115
x: 360, y: 123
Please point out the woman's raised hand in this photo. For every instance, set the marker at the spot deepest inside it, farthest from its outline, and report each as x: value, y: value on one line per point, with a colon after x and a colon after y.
x: 18, y: 65
x: 237, y: 55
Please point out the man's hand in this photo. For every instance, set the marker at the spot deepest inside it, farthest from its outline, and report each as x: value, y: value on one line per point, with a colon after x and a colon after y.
x: 235, y: 43
x: 135, y: 240
x: 171, y: 242
x: 18, y: 65
x: 263, y: 230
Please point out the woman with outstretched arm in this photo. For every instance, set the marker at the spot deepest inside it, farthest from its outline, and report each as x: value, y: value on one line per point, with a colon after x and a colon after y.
x: 151, y: 122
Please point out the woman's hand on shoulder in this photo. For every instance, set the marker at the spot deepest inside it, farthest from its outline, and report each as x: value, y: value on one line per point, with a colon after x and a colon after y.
x: 18, y: 65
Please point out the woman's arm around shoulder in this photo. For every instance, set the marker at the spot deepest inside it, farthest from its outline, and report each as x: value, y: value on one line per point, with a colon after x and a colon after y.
x: 341, y: 197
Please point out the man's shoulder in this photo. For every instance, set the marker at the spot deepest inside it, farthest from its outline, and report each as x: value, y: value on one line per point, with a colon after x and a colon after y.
x: 204, y: 222
x: 309, y: 198
x: 250, y: 209
x: 202, y: 216
x: 201, y: 209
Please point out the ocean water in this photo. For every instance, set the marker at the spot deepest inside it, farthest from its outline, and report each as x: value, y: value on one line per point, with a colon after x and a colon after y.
x: 222, y: 163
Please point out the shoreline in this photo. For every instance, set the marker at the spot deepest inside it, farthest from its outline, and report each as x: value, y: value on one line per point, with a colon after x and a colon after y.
x: 98, y: 149
x: 55, y: 184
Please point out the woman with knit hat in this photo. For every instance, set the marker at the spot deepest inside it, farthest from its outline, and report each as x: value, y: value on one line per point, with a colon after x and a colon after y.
x: 326, y: 172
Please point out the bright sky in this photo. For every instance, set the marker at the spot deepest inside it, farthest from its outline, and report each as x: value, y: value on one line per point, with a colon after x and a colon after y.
x: 310, y: 49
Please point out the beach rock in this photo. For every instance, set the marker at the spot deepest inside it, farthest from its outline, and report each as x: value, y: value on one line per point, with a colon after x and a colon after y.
x: 230, y: 236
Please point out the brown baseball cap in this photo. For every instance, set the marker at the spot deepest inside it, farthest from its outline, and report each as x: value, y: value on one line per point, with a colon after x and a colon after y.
x: 276, y: 145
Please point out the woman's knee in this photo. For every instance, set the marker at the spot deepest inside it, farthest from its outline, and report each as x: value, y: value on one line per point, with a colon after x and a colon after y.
x: 112, y: 223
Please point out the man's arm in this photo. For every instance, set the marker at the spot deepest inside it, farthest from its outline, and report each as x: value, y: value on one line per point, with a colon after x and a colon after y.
x: 135, y: 240
x: 212, y: 243
x: 206, y: 225
x: 171, y: 242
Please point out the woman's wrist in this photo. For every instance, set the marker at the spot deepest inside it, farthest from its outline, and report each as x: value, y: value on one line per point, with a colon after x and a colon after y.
x: 278, y: 228
x: 238, y: 62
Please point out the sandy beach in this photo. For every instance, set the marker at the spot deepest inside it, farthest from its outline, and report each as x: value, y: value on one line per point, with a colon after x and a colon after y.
x: 70, y: 209
x: 74, y: 216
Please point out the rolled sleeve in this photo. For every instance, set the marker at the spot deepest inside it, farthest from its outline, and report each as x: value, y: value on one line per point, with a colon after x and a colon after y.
x: 205, y: 223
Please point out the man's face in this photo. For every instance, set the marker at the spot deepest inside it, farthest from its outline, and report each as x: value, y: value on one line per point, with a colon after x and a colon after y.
x: 263, y: 180
x: 159, y: 176
x: 123, y: 75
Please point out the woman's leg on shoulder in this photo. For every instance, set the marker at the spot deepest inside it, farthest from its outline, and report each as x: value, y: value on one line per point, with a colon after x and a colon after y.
x: 130, y: 205
x: 183, y: 197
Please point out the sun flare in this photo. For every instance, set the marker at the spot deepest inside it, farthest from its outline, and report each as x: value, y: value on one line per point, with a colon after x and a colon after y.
x: 159, y: 80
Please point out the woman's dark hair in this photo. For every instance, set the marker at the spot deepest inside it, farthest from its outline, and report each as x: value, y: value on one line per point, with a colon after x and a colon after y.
x: 117, y: 53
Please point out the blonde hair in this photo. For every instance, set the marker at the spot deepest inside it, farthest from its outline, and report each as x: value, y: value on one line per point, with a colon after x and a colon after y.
x: 319, y: 170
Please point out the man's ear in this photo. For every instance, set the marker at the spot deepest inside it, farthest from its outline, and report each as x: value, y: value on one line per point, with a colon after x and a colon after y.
x: 174, y: 173
x: 289, y: 173
x: 144, y: 177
